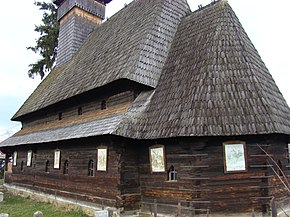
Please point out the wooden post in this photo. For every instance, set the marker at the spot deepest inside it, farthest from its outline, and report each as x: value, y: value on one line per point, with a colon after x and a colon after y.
x: 273, y: 208
x: 192, y: 212
x: 179, y: 209
x: 207, y: 213
x: 155, y: 208
x: 253, y: 212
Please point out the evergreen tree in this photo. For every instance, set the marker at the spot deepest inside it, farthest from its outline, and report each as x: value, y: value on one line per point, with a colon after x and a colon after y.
x: 46, y: 44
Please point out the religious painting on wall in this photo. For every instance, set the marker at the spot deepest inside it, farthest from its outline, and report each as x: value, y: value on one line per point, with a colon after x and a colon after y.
x: 289, y: 152
x: 56, y: 163
x: 157, y: 158
x: 102, y: 159
x: 29, y: 158
x: 234, y: 157
x: 15, y: 158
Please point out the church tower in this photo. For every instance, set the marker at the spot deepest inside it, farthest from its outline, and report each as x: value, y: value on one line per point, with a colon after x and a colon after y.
x: 77, y: 19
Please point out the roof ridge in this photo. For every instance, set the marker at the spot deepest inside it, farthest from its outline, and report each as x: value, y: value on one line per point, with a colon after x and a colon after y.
x: 213, y: 2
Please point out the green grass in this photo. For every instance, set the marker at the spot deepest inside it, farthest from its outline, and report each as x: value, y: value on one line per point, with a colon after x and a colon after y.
x: 17, y: 206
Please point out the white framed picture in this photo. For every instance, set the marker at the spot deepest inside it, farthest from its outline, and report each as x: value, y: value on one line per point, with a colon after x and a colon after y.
x: 14, y: 158
x: 102, y: 159
x: 29, y: 158
x: 157, y: 158
x: 235, y: 157
x: 56, y: 162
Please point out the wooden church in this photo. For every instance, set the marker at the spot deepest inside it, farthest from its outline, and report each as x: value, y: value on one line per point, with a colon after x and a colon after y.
x: 156, y: 108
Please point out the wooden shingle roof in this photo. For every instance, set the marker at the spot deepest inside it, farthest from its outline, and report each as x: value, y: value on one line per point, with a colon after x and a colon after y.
x: 207, y: 78
x: 214, y: 83
x: 133, y: 45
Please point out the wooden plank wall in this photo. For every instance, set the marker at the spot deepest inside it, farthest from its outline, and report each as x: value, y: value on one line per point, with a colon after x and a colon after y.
x: 130, y: 185
x: 92, y: 105
x: 202, y: 183
x: 103, y: 188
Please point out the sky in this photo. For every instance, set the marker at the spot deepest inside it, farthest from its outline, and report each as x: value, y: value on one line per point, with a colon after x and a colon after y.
x: 266, y: 23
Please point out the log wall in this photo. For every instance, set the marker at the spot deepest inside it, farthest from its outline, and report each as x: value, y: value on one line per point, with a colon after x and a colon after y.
x: 103, y: 188
x: 116, y: 100
x: 202, y: 183
x: 129, y: 184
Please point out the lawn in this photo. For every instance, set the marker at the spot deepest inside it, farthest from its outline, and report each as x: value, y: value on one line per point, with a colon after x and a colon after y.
x: 17, y: 206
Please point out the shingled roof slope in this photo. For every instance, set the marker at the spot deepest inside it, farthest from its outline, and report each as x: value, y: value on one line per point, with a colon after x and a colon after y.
x: 214, y: 83
x: 133, y: 44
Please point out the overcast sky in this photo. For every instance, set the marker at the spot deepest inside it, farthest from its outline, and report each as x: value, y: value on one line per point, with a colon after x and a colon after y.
x: 266, y: 23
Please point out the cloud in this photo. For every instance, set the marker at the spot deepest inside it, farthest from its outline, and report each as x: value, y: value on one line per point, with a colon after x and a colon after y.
x: 7, y: 132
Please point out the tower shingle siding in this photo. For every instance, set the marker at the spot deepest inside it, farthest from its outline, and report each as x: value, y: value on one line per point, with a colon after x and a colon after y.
x: 77, y: 20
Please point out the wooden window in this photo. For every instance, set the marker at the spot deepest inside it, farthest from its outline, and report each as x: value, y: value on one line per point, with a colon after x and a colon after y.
x: 102, y: 159
x: 235, y: 156
x: 91, y: 168
x: 80, y: 111
x: 157, y: 158
x: 21, y: 165
x: 59, y: 116
x: 15, y: 158
x: 65, y: 167
x: 280, y: 168
x: 172, y: 174
x: 47, y: 166
x: 56, y: 163
x: 104, y: 105
x: 29, y: 158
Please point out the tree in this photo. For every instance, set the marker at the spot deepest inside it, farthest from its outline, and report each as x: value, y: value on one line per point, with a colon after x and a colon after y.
x: 46, y: 44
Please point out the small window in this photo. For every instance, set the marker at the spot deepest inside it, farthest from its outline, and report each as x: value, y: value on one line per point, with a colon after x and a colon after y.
x: 172, y: 174
x: 21, y: 165
x: 234, y: 156
x: 104, y: 105
x: 15, y: 158
x: 65, y: 167
x: 47, y: 166
x: 91, y: 168
x: 280, y: 168
x: 59, y: 116
x: 80, y: 111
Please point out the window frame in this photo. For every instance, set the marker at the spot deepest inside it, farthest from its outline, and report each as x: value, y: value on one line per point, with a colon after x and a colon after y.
x: 91, y: 169
x: 172, y: 173
x: 65, y: 167
x: 22, y: 166
x: 47, y: 165
x: 104, y: 104
x: 162, y: 169
x: 245, y: 159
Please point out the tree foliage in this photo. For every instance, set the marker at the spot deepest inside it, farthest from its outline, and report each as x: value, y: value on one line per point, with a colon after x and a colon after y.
x: 46, y: 44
